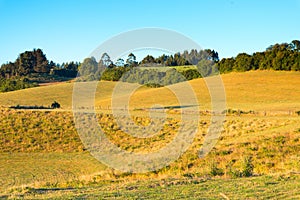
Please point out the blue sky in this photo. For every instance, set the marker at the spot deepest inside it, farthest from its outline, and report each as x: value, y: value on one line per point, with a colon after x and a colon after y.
x: 69, y: 30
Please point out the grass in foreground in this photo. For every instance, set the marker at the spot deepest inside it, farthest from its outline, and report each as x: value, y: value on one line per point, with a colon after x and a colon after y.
x: 41, y: 154
x: 41, y: 149
x: 266, y: 187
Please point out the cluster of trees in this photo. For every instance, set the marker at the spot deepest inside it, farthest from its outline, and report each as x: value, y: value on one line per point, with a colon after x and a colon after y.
x: 27, y: 62
x: 7, y: 85
x: 35, y: 61
x: 21, y: 74
x: 152, y: 77
x: 284, y: 56
x: 179, y: 59
x: 90, y: 69
x: 69, y: 69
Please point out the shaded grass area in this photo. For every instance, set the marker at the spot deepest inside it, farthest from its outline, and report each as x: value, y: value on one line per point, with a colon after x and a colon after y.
x: 20, y: 170
x: 266, y: 187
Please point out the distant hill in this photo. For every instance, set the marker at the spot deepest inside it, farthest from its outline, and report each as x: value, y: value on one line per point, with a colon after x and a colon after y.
x: 253, y: 90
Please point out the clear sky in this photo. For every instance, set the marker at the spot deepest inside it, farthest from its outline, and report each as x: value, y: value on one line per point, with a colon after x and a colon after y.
x: 69, y: 30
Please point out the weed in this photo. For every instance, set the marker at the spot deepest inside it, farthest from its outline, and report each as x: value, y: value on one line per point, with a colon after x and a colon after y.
x: 214, y: 170
x: 248, y: 167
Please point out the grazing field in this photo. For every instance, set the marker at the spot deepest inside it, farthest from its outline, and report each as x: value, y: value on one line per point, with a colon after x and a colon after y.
x: 254, y: 90
x: 262, y: 187
x: 256, y: 157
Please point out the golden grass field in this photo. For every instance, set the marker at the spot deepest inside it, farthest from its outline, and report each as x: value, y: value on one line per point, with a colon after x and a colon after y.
x: 41, y: 155
x: 254, y: 90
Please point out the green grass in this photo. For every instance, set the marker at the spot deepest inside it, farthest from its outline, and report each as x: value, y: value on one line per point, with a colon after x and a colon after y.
x: 265, y: 187
x: 184, y: 68
x: 19, y: 170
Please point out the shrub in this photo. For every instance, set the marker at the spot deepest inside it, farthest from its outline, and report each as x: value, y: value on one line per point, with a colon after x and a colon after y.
x: 55, y: 105
x: 248, y: 167
x: 245, y: 171
x: 7, y: 85
x: 191, y: 74
x: 215, y: 171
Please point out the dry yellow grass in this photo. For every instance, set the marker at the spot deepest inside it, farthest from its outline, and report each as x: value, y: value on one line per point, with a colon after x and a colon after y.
x: 254, y: 90
x: 273, y: 142
x: 263, y: 90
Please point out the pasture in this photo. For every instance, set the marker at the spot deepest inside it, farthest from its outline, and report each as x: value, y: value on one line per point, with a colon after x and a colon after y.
x: 41, y: 154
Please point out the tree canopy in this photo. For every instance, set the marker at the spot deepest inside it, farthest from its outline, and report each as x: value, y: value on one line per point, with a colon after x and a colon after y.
x: 285, y: 56
x: 16, y: 75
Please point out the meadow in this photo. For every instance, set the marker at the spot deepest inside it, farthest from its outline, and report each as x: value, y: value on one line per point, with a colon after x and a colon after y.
x: 256, y: 157
x: 253, y: 90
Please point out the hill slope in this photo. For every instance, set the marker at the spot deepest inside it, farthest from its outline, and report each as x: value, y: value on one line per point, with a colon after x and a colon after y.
x: 254, y: 90
x: 37, y: 148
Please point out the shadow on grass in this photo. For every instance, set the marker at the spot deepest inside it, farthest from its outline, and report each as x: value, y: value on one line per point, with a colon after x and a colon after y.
x: 172, y: 107
x: 46, y: 190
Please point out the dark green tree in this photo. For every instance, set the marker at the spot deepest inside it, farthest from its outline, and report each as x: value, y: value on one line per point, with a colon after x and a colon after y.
x: 243, y: 62
x: 191, y: 74
x: 131, y: 60
x: 26, y: 62
x: 148, y: 60
x: 41, y: 64
x: 88, y: 67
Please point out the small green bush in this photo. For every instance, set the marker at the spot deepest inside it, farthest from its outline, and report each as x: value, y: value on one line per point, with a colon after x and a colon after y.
x: 215, y: 171
x: 248, y: 167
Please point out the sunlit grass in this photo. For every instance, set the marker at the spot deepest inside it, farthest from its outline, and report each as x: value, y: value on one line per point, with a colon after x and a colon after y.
x: 41, y: 149
x: 254, y: 90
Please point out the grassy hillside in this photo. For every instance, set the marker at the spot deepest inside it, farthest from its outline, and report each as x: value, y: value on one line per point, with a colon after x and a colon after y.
x: 41, y: 154
x: 254, y: 90
x: 61, y: 92
x: 39, y: 149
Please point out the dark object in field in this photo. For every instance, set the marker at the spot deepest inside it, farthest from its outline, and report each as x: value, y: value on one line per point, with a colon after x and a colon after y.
x: 54, y: 105
x: 29, y: 107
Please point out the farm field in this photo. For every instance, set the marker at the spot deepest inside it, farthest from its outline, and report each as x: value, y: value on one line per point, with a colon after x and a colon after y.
x: 254, y: 90
x: 262, y: 187
x: 41, y: 155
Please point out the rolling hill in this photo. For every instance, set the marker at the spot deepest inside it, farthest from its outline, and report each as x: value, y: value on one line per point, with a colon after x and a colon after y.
x: 254, y: 90
x: 37, y: 148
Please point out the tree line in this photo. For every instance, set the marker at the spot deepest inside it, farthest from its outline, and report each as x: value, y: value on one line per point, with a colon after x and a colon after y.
x: 106, y: 69
x: 23, y: 72
x: 285, y: 56
x: 36, y: 62
x: 17, y: 75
